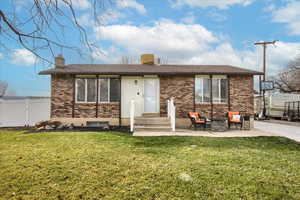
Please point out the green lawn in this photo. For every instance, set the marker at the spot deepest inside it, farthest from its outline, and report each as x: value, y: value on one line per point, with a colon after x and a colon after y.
x: 81, y: 165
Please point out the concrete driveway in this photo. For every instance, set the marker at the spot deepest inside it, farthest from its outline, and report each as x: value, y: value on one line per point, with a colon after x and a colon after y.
x: 289, y: 131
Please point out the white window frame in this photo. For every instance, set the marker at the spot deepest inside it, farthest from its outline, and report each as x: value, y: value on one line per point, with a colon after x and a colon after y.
x: 99, y: 90
x: 76, y: 91
x: 108, y: 88
x: 219, y: 78
x: 86, y: 90
x: 202, y: 85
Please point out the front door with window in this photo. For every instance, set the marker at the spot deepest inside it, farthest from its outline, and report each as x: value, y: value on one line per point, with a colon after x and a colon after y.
x: 132, y: 89
x: 151, y: 94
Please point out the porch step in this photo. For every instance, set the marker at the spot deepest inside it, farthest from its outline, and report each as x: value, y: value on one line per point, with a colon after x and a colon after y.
x: 152, y: 124
x: 152, y: 121
x: 153, y: 128
x: 151, y: 115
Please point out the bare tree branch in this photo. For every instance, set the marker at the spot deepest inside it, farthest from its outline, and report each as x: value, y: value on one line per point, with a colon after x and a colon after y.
x: 288, y: 80
x: 42, y: 28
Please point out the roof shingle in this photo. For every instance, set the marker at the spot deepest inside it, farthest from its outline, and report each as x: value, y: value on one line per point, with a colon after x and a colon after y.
x: 122, y: 69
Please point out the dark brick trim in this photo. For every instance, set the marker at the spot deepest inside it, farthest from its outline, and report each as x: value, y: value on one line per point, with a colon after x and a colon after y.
x: 120, y: 103
x: 97, y: 99
x: 228, y: 95
x: 73, y: 100
x: 211, y: 99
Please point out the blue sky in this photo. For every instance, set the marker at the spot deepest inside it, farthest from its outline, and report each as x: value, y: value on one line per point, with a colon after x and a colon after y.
x: 180, y: 31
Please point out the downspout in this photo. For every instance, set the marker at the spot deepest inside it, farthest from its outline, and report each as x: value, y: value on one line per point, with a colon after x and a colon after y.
x: 73, y: 101
x: 211, y: 99
x: 120, y: 103
x: 194, y: 93
x: 97, y: 96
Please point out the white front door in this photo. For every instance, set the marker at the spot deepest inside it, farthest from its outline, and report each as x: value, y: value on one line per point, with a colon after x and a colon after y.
x: 151, y: 95
x: 132, y: 89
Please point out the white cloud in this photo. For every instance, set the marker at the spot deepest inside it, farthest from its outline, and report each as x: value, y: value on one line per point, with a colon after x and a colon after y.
x: 107, y: 55
x: 1, y: 56
x: 131, y: 4
x: 107, y: 17
x: 23, y: 57
x: 190, y: 44
x: 220, y: 4
x: 290, y: 15
x: 216, y: 15
x: 164, y: 37
x: 80, y: 4
x: 189, y: 18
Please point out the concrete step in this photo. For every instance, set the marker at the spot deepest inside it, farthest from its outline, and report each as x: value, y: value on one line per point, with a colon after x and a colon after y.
x: 153, y: 128
x: 147, y: 122
x: 151, y: 115
x: 152, y: 121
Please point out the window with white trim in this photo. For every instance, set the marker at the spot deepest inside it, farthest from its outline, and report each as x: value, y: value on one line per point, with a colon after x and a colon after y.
x: 108, y: 90
x: 91, y: 89
x: 80, y: 89
x: 203, y: 89
x: 220, y: 90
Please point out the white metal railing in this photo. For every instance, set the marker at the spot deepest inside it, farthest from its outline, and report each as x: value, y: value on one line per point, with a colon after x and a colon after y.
x: 172, y: 113
x: 131, y: 115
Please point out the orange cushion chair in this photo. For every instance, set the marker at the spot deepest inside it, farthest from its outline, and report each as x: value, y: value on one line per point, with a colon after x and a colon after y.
x: 197, y: 120
x: 235, y: 120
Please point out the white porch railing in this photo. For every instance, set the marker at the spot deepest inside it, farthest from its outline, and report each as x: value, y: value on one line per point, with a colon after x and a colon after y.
x: 131, y: 115
x: 172, y: 113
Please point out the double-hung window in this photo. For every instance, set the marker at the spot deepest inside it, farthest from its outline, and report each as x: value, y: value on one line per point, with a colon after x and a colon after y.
x: 204, y: 86
x: 219, y: 89
x: 202, y: 89
x: 108, y: 90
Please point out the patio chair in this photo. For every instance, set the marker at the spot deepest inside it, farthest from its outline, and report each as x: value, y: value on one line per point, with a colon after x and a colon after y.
x: 235, y: 118
x: 197, y: 120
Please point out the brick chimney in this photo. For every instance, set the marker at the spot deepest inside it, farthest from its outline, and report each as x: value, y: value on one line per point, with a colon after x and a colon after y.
x: 59, y: 61
x: 147, y: 59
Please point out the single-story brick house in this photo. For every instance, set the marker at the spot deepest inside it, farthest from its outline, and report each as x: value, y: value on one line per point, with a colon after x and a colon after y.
x: 81, y: 92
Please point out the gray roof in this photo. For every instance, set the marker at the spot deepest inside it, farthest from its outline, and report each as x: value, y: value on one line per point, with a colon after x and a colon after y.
x: 138, y: 69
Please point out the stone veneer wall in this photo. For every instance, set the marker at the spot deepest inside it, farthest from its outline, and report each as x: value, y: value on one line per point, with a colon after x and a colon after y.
x: 182, y: 89
x: 62, y: 102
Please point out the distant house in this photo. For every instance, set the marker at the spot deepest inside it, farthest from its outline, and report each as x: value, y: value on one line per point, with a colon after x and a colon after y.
x: 82, y: 92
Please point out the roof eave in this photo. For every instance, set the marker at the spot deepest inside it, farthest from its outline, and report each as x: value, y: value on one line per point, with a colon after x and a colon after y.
x: 150, y: 73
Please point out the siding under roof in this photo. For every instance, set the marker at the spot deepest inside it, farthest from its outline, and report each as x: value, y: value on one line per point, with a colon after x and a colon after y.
x: 121, y: 69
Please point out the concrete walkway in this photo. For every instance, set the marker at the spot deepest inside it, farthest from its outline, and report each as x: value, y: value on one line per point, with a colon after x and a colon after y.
x: 187, y: 132
x: 292, y: 132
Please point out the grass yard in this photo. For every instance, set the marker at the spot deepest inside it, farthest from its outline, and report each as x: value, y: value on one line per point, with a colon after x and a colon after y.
x: 80, y: 165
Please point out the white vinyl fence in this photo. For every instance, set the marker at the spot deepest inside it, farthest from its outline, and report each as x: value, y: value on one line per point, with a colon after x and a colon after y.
x: 23, y: 111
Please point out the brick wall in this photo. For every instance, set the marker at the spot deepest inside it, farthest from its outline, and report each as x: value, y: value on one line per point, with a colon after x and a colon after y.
x: 241, y: 99
x: 61, y: 96
x: 179, y: 87
x: 62, y: 102
x: 241, y: 94
x: 182, y: 89
x: 219, y: 110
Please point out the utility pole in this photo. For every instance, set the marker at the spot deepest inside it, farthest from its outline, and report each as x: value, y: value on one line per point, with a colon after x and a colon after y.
x: 264, y: 44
